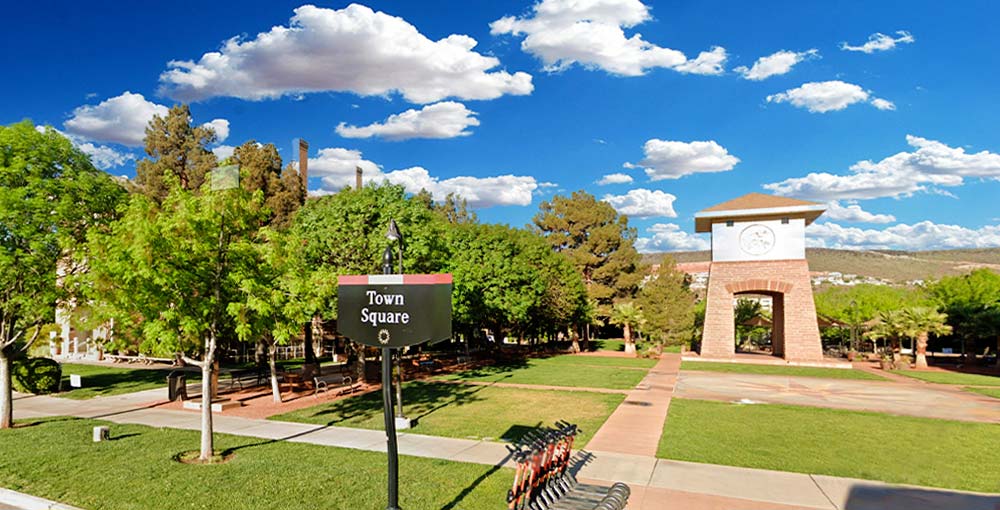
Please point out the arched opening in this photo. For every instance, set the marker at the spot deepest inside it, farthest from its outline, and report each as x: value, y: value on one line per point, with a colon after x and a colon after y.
x: 759, y: 322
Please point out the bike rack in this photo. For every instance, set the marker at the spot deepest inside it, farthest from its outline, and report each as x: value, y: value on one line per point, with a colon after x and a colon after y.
x: 542, y: 480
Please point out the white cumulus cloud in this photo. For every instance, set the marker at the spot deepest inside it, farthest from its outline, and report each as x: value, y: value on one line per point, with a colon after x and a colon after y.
x: 121, y: 119
x: 447, y: 119
x: 336, y: 167
x: 854, y: 214
x: 591, y: 33
x: 827, y: 96
x: 775, y: 64
x: 221, y: 128
x: 354, y: 49
x: 880, y: 42
x: 478, y: 191
x: 925, y: 235
x: 670, y: 237
x: 101, y: 156
x: 883, y: 104
x: 616, y: 178
x: 223, y: 151
x: 667, y: 159
x: 643, y: 203
x: 931, y: 164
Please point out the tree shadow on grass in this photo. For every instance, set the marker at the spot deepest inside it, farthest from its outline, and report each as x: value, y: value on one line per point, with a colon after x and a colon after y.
x: 492, y: 373
x: 475, y: 483
x: 420, y: 398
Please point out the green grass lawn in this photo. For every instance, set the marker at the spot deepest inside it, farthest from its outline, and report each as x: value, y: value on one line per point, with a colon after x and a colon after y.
x: 573, y: 371
x: 747, y: 368
x: 873, y: 446
x: 56, y: 459
x: 608, y: 345
x: 602, y: 361
x: 473, y: 412
x: 989, y: 392
x: 103, y: 381
x: 952, y: 378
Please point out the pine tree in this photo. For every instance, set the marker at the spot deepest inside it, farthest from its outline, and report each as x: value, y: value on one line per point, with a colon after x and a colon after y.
x: 177, y: 153
x: 668, y: 305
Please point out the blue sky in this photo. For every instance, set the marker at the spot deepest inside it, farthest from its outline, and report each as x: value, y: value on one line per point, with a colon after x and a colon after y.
x: 887, y: 113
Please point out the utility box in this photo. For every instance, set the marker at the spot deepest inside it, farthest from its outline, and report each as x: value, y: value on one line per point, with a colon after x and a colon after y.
x: 176, y: 386
x: 101, y: 434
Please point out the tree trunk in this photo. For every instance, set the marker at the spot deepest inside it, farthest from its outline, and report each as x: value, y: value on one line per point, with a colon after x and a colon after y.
x: 629, y: 344
x: 6, y: 395
x: 970, y: 351
x: 272, y: 351
x: 308, y: 344
x: 207, y: 372
x: 921, y: 350
x: 998, y: 351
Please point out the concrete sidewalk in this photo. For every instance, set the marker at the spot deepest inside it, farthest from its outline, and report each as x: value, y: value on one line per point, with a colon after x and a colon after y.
x: 636, y: 425
x: 658, y: 483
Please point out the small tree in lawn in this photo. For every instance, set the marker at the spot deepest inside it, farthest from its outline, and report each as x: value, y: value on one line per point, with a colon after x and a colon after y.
x: 667, y: 305
x: 172, y: 272
x: 50, y: 195
x: 920, y: 322
x: 629, y: 317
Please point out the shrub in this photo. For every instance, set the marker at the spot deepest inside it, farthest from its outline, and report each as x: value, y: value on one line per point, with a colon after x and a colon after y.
x: 36, y: 375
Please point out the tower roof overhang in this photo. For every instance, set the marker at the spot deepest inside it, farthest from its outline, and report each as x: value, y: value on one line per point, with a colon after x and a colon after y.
x: 757, y: 206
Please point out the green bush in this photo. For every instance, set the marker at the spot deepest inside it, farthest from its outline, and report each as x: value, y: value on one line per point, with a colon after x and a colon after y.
x: 36, y: 375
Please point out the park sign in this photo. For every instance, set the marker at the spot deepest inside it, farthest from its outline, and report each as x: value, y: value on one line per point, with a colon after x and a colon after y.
x: 394, y: 310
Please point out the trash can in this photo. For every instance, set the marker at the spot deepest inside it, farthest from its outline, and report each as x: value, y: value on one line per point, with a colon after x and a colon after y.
x: 176, y: 386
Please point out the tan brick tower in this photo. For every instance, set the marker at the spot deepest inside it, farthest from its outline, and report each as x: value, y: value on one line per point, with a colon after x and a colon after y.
x: 758, y: 247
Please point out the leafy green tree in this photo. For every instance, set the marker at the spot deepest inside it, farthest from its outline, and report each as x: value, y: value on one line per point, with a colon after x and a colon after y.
x: 510, y: 280
x: 629, y: 317
x: 746, y: 313
x: 965, y: 299
x: 598, y: 241
x: 859, y: 305
x: 50, y: 195
x: 174, y: 274
x: 176, y: 148
x: 344, y: 233
x: 920, y: 322
x: 668, y: 305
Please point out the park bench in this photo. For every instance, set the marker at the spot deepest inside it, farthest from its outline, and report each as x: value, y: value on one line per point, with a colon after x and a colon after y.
x: 343, y: 382
x: 543, y: 481
x: 251, y: 377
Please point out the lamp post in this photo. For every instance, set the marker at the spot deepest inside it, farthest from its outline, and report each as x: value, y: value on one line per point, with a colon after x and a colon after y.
x: 854, y: 325
x: 393, y: 234
x: 390, y: 420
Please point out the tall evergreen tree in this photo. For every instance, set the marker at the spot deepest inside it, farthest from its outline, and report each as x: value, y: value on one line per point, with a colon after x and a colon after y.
x: 598, y: 241
x: 178, y: 148
x: 260, y: 170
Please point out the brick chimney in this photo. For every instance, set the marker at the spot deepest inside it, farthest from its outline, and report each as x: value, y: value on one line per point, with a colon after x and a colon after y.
x: 357, y: 177
x: 304, y: 163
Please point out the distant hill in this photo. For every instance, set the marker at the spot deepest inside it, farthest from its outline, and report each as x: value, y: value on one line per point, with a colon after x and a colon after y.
x: 895, y: 266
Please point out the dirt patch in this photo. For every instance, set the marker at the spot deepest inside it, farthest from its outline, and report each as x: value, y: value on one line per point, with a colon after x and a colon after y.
x: 192, y: 457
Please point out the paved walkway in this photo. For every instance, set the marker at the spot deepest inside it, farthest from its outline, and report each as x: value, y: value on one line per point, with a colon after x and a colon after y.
x: 636, y: 425
x: 657, y: 483
x: 924, y: 400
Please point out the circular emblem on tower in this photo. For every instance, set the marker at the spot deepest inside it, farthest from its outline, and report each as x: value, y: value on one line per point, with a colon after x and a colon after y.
x: 756, y: 239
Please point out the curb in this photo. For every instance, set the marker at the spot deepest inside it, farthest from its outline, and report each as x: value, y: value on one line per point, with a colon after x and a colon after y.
x: 28, y: 502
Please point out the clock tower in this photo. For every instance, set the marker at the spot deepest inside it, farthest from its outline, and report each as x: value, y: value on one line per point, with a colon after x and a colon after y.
x: 758, y: 248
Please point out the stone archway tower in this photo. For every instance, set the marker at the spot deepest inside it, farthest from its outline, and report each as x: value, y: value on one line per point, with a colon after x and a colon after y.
x: 758, y: 247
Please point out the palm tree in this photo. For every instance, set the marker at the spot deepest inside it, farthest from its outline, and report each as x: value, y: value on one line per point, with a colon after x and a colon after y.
x: 628, y: 316
x: 920, y: 322
x: 887, y: 326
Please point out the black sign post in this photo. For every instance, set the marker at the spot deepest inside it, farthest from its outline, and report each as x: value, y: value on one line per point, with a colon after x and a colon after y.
x: 392, y: 311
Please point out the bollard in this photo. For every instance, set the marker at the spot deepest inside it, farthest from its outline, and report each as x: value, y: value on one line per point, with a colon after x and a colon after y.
x: 101, y: 434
